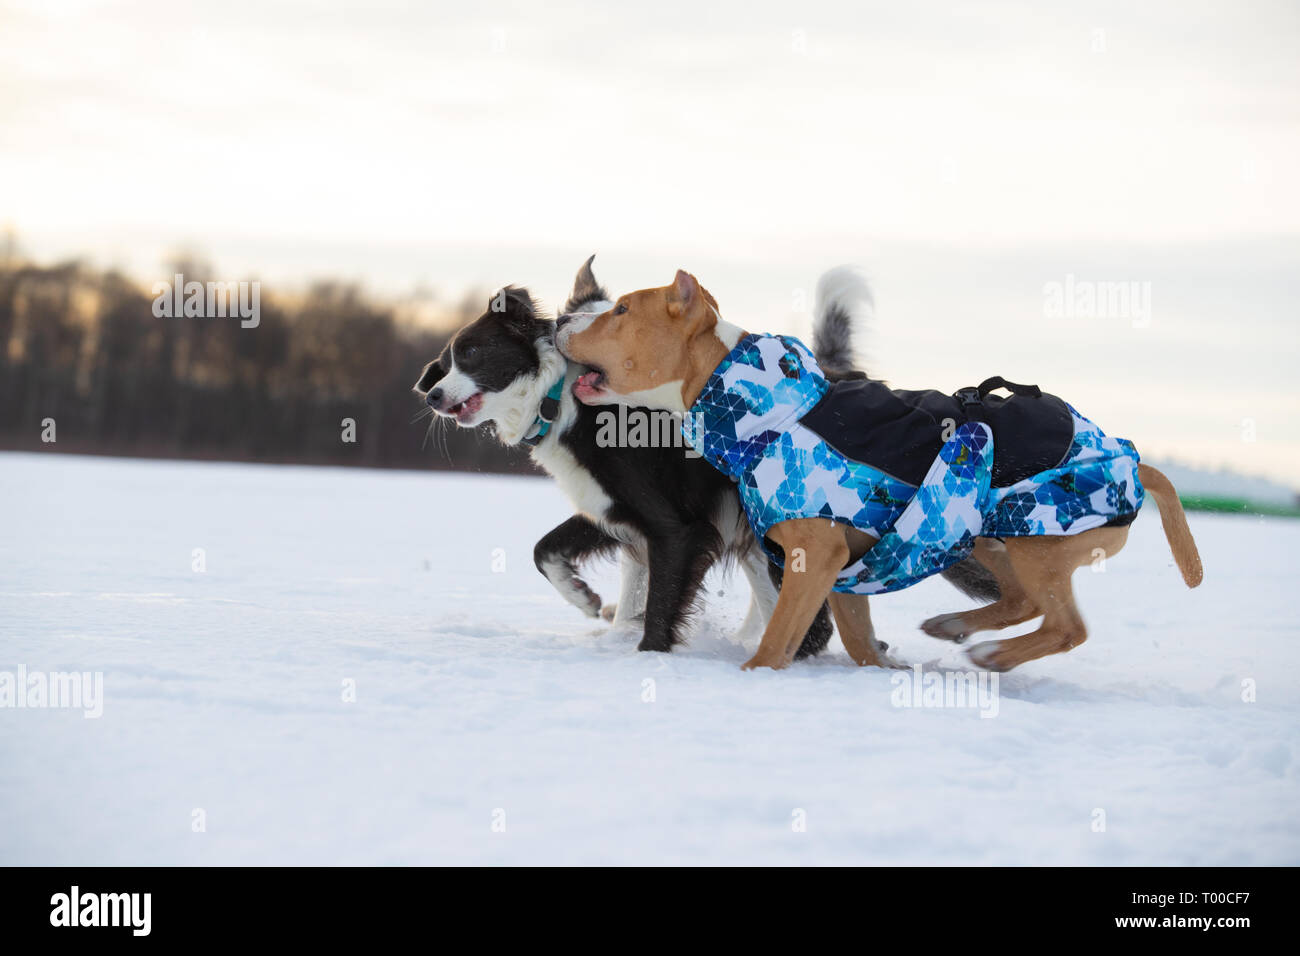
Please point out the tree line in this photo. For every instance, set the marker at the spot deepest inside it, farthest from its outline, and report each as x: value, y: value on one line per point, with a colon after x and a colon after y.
x: 324, y: 378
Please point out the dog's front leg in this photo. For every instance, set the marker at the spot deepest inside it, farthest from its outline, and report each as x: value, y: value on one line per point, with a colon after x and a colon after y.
x: 633, y: 580
x: 678, y: 561
x: 559, y: 552
x: 815, y: 553
x: 858, y: 634
x: 819, y: 634
x: 763, y: 593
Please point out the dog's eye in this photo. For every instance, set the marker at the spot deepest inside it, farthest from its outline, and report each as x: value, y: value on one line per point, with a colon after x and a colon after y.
x: 620, y: 308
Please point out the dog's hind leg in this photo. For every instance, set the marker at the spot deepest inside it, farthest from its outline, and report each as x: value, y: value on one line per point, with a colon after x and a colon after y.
x: 1044, y: 567
x: 1014, y: 606
x: 559, y: 552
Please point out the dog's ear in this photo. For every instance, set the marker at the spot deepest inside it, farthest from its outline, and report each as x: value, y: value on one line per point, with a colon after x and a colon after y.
x: 683, y: 294
x: 585, y: 287
x: 513, y: 302
x: 519, y: 312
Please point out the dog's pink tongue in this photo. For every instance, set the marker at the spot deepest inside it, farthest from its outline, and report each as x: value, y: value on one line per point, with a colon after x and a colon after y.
x: 587, y: 386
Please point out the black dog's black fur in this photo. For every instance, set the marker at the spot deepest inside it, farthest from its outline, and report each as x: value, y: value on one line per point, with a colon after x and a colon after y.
x: 671, y: 501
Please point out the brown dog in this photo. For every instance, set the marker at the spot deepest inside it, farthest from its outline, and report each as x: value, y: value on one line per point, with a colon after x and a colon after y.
x: 658, y: 348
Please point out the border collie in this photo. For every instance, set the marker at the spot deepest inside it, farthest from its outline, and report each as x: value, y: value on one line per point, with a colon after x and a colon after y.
x: 670, y: 515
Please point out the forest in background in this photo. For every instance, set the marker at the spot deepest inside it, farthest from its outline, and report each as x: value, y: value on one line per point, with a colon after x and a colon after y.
x: 82, y: 347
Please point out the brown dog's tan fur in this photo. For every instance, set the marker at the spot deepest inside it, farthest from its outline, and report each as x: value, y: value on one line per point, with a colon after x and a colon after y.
x: 668, y: 341
x: 640, y: 356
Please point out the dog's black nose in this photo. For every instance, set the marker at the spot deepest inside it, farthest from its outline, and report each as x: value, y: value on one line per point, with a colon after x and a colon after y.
x: 562, y: 321
x: 434, y: 398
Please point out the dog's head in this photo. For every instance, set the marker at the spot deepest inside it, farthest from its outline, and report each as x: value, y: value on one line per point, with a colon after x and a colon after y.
x: 489, y: 366
x: 498, y: 368
x: 640, y: 350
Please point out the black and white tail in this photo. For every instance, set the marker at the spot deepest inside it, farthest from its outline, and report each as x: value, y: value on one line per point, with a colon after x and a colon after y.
x: 843, y: 302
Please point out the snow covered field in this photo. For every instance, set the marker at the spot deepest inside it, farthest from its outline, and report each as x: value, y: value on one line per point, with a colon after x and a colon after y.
x: 492, y: 723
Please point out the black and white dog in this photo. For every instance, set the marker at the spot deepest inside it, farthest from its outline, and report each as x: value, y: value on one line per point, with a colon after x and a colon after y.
x: 671, y: 516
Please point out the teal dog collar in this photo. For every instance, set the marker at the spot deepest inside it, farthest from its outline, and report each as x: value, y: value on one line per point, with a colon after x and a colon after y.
x: 546, y: 413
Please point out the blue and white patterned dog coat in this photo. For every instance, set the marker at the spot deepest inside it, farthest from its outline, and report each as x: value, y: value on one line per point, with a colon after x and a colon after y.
x: 912, y: 469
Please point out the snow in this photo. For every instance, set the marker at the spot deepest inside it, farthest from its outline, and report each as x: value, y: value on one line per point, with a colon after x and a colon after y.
x: 492, y: 723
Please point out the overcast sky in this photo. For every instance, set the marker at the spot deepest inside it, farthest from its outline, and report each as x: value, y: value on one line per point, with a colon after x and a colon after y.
x: 966, y: 155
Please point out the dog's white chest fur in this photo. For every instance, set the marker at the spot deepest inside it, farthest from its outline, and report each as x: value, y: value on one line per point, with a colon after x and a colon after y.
x: 574, y: 480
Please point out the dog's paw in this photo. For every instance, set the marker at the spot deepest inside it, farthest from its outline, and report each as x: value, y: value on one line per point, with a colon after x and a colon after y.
x: 877, y: 658
x: 584, y: 598
x: 991, y: 655
x: 775, y: 662
x: 946, y: 627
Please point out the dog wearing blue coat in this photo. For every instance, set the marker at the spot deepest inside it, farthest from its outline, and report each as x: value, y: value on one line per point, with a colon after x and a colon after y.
x: 859, y: 489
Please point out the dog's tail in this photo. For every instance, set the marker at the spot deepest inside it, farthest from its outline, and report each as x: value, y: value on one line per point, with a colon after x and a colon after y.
x: 1174, y: 520
x: 843, y: 301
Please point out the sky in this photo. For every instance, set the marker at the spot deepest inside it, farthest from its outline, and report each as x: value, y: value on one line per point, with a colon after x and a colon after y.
x: 970, y: 158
